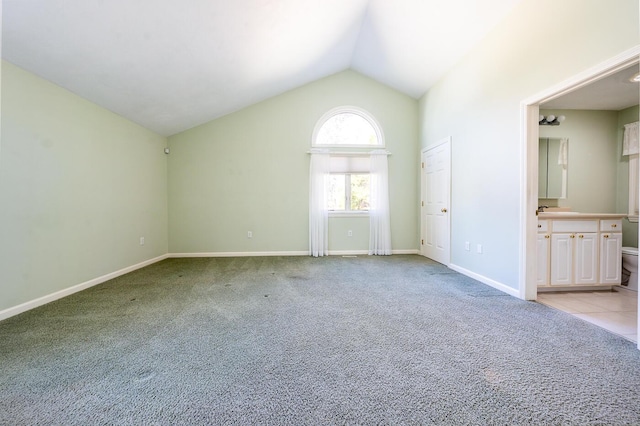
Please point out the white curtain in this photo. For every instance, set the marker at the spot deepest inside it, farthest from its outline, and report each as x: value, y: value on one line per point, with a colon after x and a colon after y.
x: 318, y: 213
x: 380, y: 223
x: 630, y: 140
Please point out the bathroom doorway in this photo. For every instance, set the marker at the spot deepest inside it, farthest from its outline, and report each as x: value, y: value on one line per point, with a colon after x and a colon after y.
x: 531, y: 111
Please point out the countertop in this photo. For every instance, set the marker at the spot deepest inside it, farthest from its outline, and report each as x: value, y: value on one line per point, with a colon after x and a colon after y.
x: 577, y: 215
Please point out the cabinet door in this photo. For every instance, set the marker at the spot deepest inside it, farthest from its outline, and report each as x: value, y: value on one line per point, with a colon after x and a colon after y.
x: 610, y: 258
x: 561, y: 259
x: 542, y: 274
x: 586, y: 259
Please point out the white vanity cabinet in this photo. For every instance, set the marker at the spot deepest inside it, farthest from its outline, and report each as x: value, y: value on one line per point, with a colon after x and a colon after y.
x: 542, y: 250
x: 579, y: 250
x: 610, y: 252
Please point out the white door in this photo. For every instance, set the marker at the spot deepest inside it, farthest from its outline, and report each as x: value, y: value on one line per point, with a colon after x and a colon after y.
x: 436, y: 187
x: 562, y: 259
x: 586, y: 259
x: 610, y: 255
x: 543, y: 259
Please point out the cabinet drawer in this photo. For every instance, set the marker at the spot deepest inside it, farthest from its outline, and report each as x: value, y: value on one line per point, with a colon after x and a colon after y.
x: 543, y: 225
x: 611, y: 225
x: 575, y: 225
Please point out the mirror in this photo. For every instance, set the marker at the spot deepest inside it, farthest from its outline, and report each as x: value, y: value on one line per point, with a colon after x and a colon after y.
x: 552, y: 167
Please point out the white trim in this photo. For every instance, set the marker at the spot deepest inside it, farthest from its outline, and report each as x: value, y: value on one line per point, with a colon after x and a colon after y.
x: 488, y: 281
x: 529, y: 108
x: 348, y: 253
x: 408, y: 251
x: 349, y: 213
x: 351, y: 110
x: 240, y: 254
x: 9, y: 312
x: 282, y: 253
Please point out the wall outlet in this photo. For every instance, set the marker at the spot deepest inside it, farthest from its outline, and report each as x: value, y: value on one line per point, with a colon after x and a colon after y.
x: 349, y: 233
x: 467, y: 246
x: 249, y: 234
x: 479, y: 248
x: 141, y: 241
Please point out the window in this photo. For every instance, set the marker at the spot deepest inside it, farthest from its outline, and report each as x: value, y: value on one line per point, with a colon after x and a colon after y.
x: 633, y: 188
x: 348, y: 192
x: 348, y: 181
x: 631, y: 147
x: 347, y: 127
x: 348, y: 184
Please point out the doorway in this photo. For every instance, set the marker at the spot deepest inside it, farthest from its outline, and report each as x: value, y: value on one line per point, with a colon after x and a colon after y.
x: 435, y: 187
x: 529, y: 189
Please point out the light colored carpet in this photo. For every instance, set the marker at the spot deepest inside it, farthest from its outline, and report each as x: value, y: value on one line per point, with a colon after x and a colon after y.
x: 366, y: 340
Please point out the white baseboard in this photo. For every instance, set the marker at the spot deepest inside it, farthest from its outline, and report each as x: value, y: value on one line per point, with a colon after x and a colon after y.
x: 9, y: 312
x: 348, y: 252
x: 280, y: 253
x: 488, y: 281
x: 409, y: 251
x: 240, y: 254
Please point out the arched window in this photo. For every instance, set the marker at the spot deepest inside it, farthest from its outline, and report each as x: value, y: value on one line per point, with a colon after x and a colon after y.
x: 347, y: 126
x: 348, y: 182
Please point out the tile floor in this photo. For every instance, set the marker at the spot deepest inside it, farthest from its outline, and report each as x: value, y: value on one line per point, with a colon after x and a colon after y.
x: 616, y: 311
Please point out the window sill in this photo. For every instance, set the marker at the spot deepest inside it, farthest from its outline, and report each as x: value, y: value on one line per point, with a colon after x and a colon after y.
x: 348, y: 214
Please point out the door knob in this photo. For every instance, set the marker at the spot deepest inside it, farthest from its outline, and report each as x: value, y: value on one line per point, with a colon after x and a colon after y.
x: 443, y: 210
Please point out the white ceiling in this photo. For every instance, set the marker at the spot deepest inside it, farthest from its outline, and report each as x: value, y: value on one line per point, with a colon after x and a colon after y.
x: 171, y: 65
x: 612, y: 93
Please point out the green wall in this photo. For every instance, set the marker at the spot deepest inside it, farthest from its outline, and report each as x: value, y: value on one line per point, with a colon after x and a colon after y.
x: 593, y: 159
x: 598, y: 172
x: 478, y: 104
x: 79, y: 186
x: 249, y: 171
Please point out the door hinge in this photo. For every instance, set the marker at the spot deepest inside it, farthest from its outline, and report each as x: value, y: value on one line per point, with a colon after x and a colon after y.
x: 422, y: 242
x: 422, y: 165
x: 422, y: 203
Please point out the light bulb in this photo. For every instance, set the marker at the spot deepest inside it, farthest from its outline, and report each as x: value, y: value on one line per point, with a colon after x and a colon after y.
x: 561, y: 118
x: 540, y: 118
x: 550, y: 118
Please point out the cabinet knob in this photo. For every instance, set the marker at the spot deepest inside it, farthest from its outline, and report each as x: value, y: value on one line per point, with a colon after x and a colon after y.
x: 580, y: 236
x: 546, y: 236
x: 443, y: 210
x: 614, y: 225
x: 572, y: 236
x: 606, y: 235
x: 539, y: 226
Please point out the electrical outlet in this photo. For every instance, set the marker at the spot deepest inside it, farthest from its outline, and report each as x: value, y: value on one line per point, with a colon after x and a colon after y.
x: 349, y: 233
x: 249, y: 234
x: 479, y: 248
x: 141, y: 241
x: 467, y: 246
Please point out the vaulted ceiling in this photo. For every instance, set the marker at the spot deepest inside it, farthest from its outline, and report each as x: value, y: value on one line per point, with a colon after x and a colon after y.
x: 171, y: 65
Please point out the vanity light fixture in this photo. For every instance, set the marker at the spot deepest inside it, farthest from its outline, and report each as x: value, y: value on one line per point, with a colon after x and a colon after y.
x: 550, y: 120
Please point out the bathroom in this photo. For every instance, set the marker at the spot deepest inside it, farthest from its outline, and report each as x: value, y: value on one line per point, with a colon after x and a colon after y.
x: 595, y: 180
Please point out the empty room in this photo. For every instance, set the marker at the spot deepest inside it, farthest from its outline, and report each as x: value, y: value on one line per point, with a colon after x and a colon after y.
x: 319, y: 212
